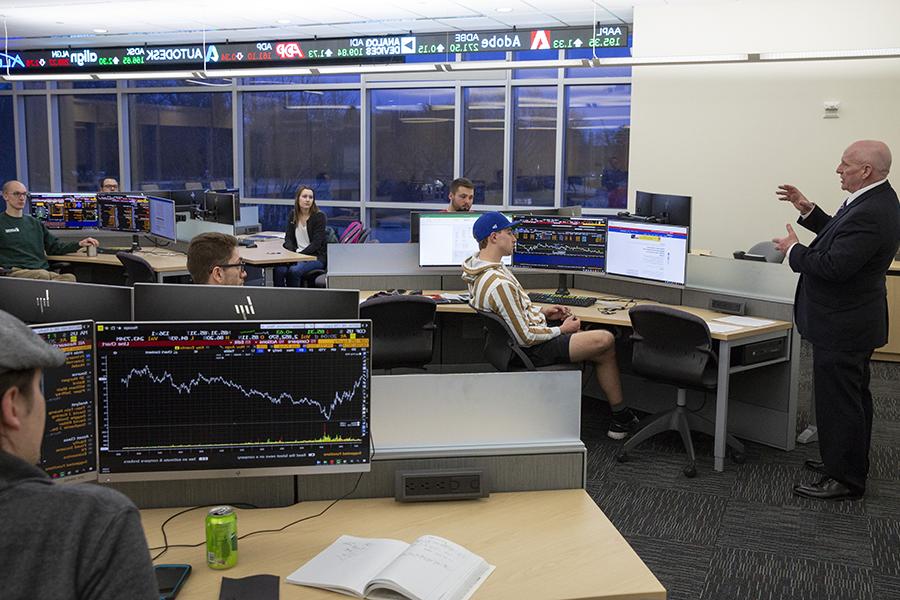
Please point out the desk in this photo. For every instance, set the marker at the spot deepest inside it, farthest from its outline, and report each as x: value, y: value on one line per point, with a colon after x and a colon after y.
x: 891, y: 350
x: 727, y: 342
x: 163, y: 262
x: 269, y: 252
x: 547, y: 545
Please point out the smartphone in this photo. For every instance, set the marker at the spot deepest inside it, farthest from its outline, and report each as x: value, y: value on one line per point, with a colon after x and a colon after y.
x: 170, y: 579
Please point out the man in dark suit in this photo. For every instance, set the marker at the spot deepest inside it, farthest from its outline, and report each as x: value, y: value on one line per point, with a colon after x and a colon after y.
x: 841, y: 308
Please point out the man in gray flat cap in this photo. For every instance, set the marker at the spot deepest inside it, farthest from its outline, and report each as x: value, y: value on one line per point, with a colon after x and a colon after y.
x: 58, y: 541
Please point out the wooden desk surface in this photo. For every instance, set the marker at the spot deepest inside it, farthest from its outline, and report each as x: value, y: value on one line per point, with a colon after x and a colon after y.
x: 593, y: 314
x: 161, y: 259
x: 554, y: 545
x: 271, y: 252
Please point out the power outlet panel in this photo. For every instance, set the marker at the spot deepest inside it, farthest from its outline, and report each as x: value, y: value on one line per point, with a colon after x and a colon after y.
x: 420, y: 486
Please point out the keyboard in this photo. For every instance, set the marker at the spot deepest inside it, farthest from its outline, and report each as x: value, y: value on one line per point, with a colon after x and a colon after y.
x: 560, y: 299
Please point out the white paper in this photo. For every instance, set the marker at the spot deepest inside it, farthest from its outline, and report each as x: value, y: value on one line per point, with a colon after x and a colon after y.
x: 745, y: 321
x: 721, y: 327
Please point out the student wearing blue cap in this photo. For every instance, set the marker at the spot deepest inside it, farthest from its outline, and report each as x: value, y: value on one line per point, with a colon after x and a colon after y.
x: 495, y: 289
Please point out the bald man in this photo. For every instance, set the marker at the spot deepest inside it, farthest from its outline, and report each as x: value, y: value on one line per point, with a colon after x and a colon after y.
x: 841, y: 308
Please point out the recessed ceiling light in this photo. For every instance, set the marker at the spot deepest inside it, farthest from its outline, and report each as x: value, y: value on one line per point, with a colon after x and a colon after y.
x: 100, y: 30
x: 283, y: 21
x: 503, y: 9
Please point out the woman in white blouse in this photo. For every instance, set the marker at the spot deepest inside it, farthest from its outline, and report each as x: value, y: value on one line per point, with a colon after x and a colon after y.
x: 305, y: 233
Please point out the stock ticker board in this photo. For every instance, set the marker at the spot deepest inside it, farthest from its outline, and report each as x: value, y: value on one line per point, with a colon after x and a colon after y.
x: 309, y: 53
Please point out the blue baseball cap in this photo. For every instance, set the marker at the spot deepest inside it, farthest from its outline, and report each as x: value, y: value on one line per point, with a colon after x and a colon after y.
x: 490, y: 222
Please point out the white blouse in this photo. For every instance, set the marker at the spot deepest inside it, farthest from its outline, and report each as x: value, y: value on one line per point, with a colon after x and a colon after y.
x: 302, y: 236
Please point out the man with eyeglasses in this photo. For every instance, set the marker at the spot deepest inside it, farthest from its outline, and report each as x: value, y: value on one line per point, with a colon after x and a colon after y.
x: 213, y: 258
x: 25, y: 242
x: 109, y: 184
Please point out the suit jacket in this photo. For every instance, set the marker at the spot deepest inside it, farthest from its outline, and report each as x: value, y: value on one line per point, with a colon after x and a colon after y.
x: 841, y: 301
x: 318, y: 244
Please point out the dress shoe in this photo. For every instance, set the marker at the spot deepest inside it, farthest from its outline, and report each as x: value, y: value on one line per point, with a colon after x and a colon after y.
x: 826, y: 489
x: 815, y: 465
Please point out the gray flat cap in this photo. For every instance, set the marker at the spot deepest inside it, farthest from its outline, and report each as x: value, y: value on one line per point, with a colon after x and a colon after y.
x: 21, y: 348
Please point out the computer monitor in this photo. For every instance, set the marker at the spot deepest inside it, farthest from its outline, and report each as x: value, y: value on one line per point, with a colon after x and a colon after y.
x: 445, y: 239
x: 177, y: 302
x: 124, y: 212
x: 652, y: 251
x: 227, y: 399
x: 40, y: 301
x: 666, y: 208
x: 64, y: 211
x: 561, y: 243
x: 69, y: 446
x: 221, y: 207
x: 162, y: 218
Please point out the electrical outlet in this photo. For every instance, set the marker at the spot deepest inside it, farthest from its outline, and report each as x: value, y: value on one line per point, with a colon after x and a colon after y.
x: 417, y: 486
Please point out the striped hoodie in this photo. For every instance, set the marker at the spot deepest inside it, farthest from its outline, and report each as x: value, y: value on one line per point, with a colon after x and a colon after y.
x: 495, y: 289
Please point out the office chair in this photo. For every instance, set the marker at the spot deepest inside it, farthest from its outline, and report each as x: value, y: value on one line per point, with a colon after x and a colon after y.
x: 218, y: 185
x: 674, y: 347
x: 762, y: 252
x: 317, y: 278
x: 503, y: 351
x: 402, y: 330
x: 149, y: 187
x: 193, y: 185
x: 137, y: 270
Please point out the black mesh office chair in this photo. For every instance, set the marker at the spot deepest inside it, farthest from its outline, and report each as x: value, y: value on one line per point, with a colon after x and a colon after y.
x: 503, y: 351
x: 402, y: 330
x: 674, y: 347
x: 137, y: 270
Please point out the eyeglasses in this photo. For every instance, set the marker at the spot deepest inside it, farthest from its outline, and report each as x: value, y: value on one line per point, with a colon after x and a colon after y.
x: 18, y: 194
x: 229, y: 265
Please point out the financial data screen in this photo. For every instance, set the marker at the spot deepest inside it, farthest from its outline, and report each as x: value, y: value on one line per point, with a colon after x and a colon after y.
x: 124, y: 212
x: 565, y: 243
x: 647, y: 251
x: 64, y: 211
x: 446, y: 240
x: 232, y: 398
x: 69, y: 447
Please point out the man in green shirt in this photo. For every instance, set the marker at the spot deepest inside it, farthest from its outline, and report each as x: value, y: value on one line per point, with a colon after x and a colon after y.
x: 25, y: 242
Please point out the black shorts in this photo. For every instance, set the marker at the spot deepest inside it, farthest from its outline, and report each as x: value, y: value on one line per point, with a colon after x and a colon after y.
x: 551, y: 352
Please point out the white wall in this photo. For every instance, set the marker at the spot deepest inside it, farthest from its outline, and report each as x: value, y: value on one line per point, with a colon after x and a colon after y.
x: 729, y: 134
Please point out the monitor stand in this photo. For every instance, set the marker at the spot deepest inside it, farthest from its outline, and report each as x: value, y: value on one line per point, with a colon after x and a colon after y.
x: 135, y: 243
x: 562, y: 289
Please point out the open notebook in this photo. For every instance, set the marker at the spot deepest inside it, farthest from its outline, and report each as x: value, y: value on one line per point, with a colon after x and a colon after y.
x: 430, y: 568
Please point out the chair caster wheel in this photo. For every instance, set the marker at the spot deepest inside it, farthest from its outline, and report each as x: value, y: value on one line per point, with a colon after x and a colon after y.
x: 738, y: 458
x: 622, y: 457
x: 689, y: 471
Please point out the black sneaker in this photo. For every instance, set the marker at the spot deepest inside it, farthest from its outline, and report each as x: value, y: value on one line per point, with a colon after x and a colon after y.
x: 622, y: 423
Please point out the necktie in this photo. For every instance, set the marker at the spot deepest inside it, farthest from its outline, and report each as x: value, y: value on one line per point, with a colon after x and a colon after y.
x: 843, y: 206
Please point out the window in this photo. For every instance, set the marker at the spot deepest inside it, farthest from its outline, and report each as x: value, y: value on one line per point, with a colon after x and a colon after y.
x: 389, y: 225
x: 524, y: 55
x: 38, y: 143
x: 88, y: 141
x: 412, y: 145
x: 180, y: 138
x: 302, y: 138
x: 484, y: 109
x: 597, y: 130
x: 599, y: 71
x: 534, y: 145
x: 8, y: 147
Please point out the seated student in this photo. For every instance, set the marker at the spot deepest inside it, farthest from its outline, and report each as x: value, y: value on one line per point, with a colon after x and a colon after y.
x: 109, y: 184
x: 493, y: 288
x: 305, y: 233
x: 213, y: 258
x: 25, y: 242
x: 58, y: 541
x: 462, y: 194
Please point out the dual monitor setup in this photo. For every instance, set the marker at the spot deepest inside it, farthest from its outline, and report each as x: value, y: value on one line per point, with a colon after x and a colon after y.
x: 138, y: 401
x: 174, y: 381
x: 110, y: 211
x: 652, y: 245
x: 135, y: 213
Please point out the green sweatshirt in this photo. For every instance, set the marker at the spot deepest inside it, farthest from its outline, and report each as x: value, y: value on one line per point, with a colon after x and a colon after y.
x: 25, y: 243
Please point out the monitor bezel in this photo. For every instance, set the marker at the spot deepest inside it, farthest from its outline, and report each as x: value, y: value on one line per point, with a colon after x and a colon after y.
x: 660, y: 282
x: 90, y: 476
x: 63, y: 196
x: 171, y: 204
x: 243, y: 472
x: 444, y: 215
x: 130, y: 195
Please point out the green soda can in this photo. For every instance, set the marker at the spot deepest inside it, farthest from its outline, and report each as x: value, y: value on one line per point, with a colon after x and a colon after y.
x: 221, y: 538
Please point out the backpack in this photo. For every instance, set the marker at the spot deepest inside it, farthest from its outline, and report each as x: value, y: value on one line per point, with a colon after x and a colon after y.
x: 352, y: 233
